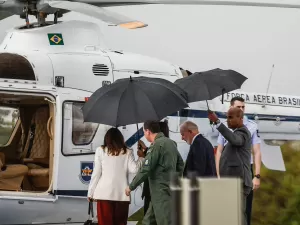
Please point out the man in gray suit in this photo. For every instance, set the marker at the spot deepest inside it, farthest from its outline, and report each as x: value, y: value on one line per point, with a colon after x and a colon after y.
x: 235, y: 158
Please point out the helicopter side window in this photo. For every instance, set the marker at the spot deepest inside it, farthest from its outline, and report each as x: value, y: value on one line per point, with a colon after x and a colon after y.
x: 82, y: 132
x: 8, y: 119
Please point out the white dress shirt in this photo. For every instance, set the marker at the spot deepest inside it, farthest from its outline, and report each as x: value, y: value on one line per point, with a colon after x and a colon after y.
x: 195, y: 138
x: 110, y: 175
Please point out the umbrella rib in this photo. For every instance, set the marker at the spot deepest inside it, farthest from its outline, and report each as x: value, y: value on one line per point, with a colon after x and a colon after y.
x: 165, y: 86
x: 135, y: 99
x: 149, y: 101
x: 97, y: 98
x: 125, y: 89
x: 208, y: 90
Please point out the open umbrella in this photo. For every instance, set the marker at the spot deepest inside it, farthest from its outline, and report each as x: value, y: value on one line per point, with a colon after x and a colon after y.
x: 134, y: 100
x: 207, y: 85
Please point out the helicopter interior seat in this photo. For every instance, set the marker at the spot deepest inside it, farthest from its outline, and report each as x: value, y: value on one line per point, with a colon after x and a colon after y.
x: 36, y: 151
x: 11, y: 176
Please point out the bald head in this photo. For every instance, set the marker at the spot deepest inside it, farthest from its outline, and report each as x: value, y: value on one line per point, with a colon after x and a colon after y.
x: 235, y: 118
x: 188, y: 131
x: 188, y: 125
x: 237, y: 111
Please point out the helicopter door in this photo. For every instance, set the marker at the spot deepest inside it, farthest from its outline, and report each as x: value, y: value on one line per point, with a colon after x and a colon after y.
x: 78, y: 144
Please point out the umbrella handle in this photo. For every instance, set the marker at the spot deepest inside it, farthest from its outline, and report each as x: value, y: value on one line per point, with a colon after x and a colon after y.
x: 138, y: 133
x: 207, y: 105
x: 138, y: 136
x: 209, y: 111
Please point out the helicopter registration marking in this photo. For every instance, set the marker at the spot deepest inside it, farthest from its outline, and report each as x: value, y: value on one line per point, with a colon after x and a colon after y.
x: 55, y: 39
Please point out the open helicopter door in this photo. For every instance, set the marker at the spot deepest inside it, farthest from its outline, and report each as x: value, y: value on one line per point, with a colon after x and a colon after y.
x: 29, y: 197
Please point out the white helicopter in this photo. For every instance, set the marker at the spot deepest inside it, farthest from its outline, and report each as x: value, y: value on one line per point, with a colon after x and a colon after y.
x: 49, y: 69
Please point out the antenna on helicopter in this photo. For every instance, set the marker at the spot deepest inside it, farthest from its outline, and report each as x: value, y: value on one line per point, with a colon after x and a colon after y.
x: 26, y: 15
x: 55, y: 17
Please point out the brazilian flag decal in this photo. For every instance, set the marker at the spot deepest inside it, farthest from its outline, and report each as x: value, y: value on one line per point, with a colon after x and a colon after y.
x: 55, y: 39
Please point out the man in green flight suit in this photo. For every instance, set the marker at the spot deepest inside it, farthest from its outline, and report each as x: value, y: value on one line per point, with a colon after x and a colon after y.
x: 162, y: 159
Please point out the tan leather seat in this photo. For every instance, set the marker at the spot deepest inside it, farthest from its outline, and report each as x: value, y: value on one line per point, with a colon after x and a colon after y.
x: 37, y: 159
x: 11, y: 176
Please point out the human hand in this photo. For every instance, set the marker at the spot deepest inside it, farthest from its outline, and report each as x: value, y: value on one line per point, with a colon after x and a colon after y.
x: 89, y: 199
x: 141, y: 153
x: 212, y: 116
x: 127, y: 191
x: 256, y: 183
x: 142, y: 145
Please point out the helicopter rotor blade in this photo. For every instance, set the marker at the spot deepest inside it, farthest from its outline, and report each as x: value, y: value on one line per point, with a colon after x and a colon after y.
x: 259, y: 3
x: 9, y: 8
x: 5, y: 14
x: 94, y: 7
x: 96, y: 12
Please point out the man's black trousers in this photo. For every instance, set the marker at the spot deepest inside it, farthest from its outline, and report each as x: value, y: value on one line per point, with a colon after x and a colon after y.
x: 249, y: 201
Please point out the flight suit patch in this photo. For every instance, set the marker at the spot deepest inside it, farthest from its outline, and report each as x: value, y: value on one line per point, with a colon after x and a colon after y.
x: 257, y: 132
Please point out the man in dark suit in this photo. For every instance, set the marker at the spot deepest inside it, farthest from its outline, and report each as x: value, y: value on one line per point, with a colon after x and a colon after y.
x: 201, y: 157
x: 235, y: 158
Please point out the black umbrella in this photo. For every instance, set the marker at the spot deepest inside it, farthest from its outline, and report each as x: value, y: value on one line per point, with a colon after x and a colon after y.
x: 134, y: 100
x: 210, y: 84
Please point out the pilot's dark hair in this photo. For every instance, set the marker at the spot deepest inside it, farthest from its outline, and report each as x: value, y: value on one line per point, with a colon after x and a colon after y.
x: 153, y: 126
x: 164, y: 127
x: 236, y: 98
x: 114, y: 142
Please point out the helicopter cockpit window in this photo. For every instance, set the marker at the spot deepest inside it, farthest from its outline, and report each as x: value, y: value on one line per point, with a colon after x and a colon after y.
x: 82, y: 132
x: 8, y: 120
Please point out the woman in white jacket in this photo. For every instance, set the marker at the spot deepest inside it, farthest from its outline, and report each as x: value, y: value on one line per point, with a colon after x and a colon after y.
x: 113, y: 162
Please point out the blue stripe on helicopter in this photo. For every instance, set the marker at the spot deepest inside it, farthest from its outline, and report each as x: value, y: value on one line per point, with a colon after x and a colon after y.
x: 77, y: 193
x: 195, y: 113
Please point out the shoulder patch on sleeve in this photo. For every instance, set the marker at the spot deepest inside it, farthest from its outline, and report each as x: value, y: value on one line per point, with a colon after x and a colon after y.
x: 257, y: 132
x: 146, y: 162
x: 252, y: 122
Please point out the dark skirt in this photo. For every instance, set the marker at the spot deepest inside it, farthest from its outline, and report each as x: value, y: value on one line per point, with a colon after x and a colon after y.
x: 112, y: 212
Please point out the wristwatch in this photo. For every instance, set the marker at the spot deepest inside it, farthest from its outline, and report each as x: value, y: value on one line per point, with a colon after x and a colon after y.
x: 217, y: 122
x: 257, y: 176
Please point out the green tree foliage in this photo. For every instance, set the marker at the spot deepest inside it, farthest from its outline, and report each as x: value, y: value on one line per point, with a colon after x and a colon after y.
x: 3, y: 114
x: 277, y: 202
x: 8, y: 119
x: 15, y: 116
